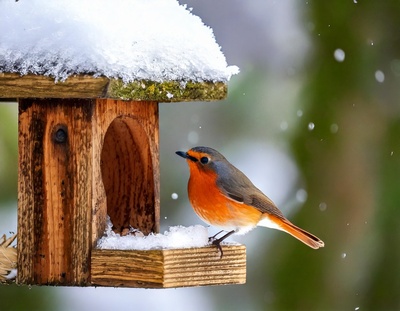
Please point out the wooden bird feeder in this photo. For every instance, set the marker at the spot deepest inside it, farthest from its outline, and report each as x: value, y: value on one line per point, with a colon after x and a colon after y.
x: 89, y: 147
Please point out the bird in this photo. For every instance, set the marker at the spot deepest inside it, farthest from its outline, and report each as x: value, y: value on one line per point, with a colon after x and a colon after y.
x: 224, y: 197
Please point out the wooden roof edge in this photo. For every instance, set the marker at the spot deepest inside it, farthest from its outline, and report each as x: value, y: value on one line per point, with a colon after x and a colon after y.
x: 14, y: 85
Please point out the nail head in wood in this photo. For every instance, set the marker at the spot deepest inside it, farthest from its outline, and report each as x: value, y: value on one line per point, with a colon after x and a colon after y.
x: 60, y: 134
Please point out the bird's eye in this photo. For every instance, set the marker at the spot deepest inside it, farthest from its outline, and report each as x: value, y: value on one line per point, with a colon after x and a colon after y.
x: 204, y: 160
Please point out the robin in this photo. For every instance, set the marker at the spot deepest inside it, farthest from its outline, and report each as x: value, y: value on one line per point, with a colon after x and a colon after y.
x: 224, y: 197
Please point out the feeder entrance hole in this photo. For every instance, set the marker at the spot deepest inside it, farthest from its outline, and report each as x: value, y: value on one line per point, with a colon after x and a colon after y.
x: 127, y: 174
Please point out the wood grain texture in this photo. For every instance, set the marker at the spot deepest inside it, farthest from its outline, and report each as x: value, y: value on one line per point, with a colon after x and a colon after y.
x: 13, y: 86
x: 54, y: 191
x: 169, y: 268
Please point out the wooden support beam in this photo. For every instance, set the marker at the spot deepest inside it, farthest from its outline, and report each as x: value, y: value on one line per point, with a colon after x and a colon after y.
x: 169, y: 268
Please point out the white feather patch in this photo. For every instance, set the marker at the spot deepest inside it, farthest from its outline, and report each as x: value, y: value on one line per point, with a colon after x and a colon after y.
x: 266, y: 222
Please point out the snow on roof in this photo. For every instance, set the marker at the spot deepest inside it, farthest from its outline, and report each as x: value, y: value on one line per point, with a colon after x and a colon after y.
x: 157, y: 40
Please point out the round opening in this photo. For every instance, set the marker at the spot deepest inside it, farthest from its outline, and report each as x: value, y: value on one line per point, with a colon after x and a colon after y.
x: 127, y: 174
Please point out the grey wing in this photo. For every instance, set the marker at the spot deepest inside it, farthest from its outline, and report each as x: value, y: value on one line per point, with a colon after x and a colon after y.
x: 242, y: 190
x: 265, y: 205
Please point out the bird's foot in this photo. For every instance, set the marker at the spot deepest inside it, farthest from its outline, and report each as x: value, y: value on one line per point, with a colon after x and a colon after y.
x: 217, y: 242
x: 213, y: 238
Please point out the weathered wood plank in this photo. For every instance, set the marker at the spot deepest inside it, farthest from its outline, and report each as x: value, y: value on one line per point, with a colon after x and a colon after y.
x: 54, y: 216
x: 13, y: 85
x: 33, y: 86
x: 169, y: 268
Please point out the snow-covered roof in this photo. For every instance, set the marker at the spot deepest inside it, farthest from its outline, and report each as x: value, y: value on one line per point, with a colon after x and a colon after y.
x: 131, y: 40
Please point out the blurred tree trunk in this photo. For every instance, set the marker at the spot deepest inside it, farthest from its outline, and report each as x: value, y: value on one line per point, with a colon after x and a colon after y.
x: 350, y: 162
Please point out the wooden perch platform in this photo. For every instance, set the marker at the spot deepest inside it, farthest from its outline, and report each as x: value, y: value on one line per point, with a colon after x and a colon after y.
x: 169, y: 267
x: 13, y: 86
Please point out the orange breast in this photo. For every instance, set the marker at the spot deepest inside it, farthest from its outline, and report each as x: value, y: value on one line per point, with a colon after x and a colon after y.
x: 214, y: 207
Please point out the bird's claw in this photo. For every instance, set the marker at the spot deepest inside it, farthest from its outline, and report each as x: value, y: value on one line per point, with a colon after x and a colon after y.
x: 217, y: 243
x: 213, y: 238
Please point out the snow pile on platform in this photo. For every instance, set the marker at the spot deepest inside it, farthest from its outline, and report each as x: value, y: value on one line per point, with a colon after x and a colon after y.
x: 157, y: 40
x: 176, y: 237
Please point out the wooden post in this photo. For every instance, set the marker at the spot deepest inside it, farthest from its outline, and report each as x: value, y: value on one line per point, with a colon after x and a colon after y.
x: 66, y: 148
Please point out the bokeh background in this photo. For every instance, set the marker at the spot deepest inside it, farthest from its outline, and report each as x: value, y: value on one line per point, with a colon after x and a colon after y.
x: 314, y: 120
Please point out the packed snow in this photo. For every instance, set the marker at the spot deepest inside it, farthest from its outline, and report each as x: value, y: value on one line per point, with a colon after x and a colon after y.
x: 157, y: 40
x: 12, y: 275
x: 176, y: 237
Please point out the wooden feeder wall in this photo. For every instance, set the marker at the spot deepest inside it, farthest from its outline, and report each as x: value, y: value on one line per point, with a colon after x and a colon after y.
x: 85, y: 153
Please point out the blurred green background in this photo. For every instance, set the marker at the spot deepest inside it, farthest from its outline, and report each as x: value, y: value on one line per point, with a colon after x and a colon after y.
x: 314, y: 120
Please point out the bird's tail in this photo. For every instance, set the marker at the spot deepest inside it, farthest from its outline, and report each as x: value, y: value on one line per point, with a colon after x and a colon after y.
x: 285, y: 225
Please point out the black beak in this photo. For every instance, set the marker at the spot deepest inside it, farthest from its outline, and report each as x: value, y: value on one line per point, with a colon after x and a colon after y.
x: 181, y: 154
x: 186, y: 156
